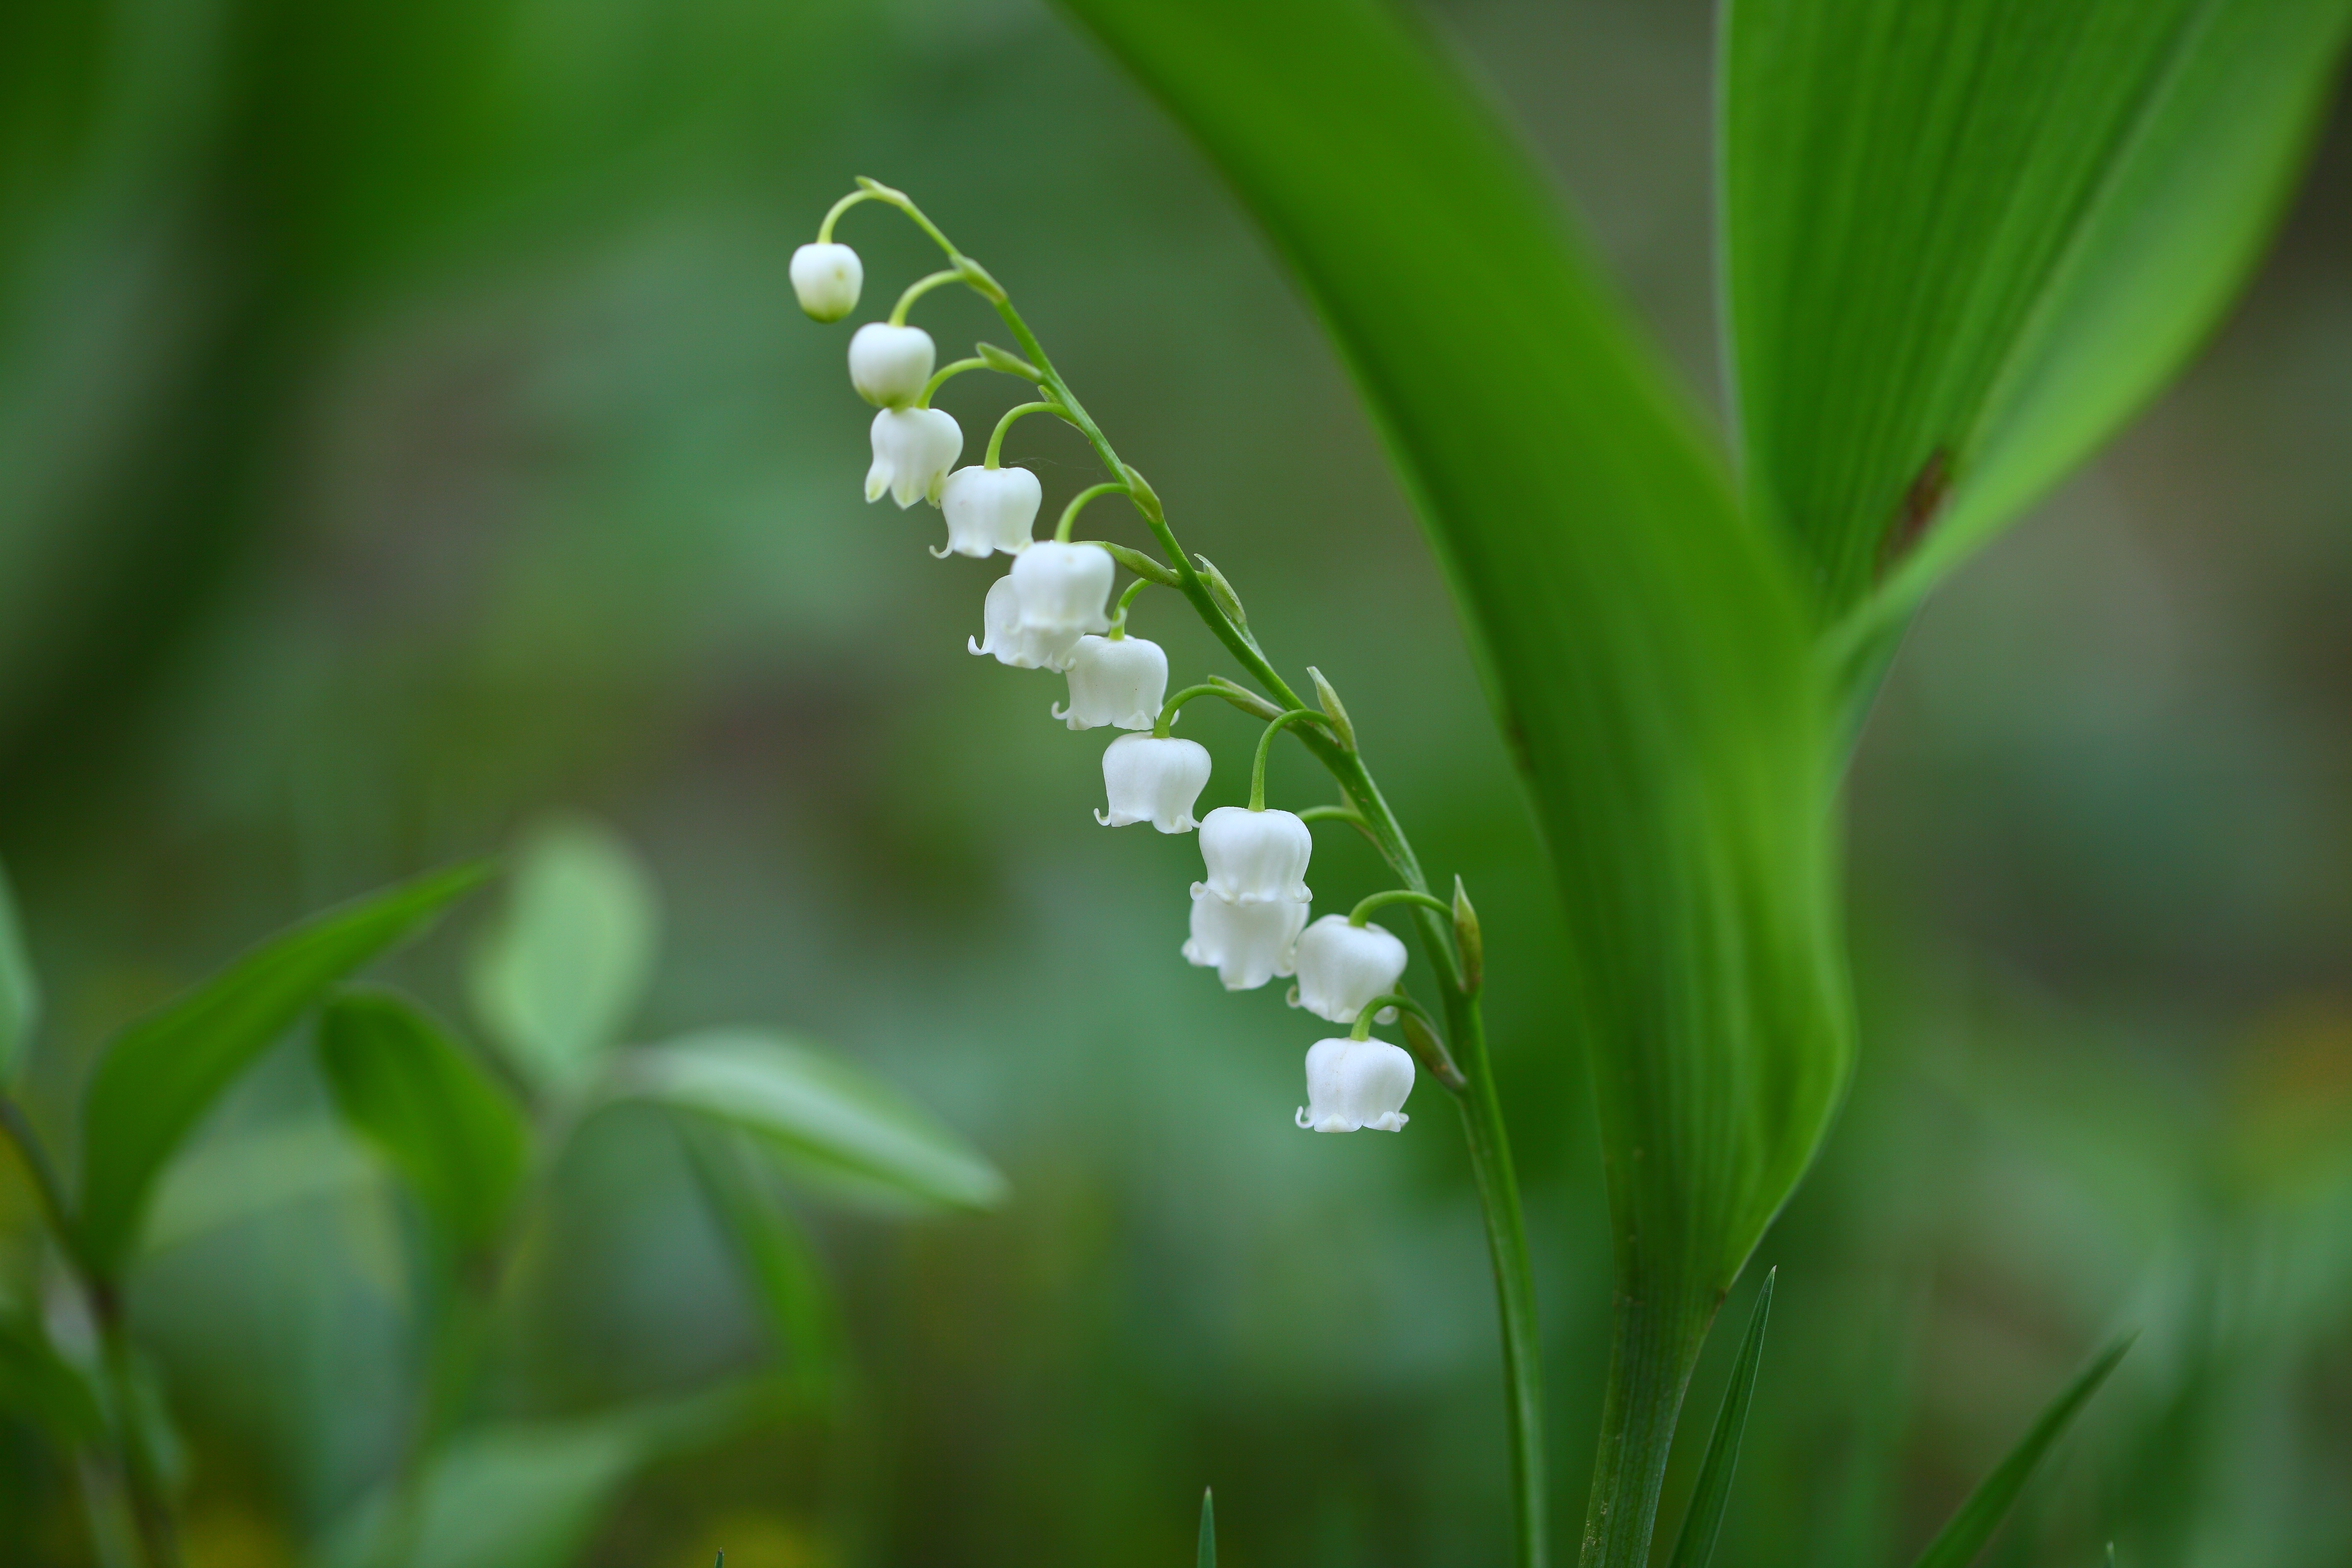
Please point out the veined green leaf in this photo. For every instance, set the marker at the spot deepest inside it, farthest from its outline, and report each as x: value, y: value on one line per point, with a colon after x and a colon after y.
x: 778, y: 1264
x: 1964, y: 239
x: 1696, y: 1543
x: 162, y: 1073
x: 20, y: 992
x: 558, y: 975
x: 1959, y: 1541
x: 444, y: 1124
x: 223, y: 1180
x: 818, y: 1108
x: 1645, y: 649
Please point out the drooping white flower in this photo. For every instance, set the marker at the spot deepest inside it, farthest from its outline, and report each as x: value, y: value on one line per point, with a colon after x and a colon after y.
x: 827, y: 278
x: 913, y: 449
x: 1247, y: 945
x: 1343, y: 966
x: 1064, y: 586
x: 989, y: 510
x: 1115, y: 680
x: 1153, y: 779
x: 1356, y: 1084
x: 1255, y: 857
x: 888, y: 365
x: 1010, y: 642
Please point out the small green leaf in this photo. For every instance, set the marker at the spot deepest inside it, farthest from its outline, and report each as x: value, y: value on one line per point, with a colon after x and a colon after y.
x: 559, y: 973
x: 444, y: 1124
x: 162, y: 1073
x: 223, y: 1180
x: 1206, y: 1557
x: 1965, y: 239
x: 1979, y: 1516
x: 20, y: 991
x: 1695, y: 1544
x: 779, y: 1266
x: 44, y: 1388
x: 818, y: 1108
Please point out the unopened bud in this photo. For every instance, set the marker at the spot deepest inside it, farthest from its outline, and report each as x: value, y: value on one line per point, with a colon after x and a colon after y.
x: 1332, y: 709
x: 1466, y: 938
x: 1222, y: 592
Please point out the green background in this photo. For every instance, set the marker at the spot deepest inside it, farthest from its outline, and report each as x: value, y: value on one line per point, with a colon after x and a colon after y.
x: 407, y: 430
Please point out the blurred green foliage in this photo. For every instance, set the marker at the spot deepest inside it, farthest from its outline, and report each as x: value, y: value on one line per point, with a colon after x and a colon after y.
x: 408, y: 428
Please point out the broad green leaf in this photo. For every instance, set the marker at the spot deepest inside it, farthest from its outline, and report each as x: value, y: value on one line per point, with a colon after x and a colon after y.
x: 779, y: 1266
x: 446, y: 1125
x: 1964, y: 239
x: 816, y: 1106
x: 41, y: 1386
x: 1205, y: 1557
x: 162, y: 1073
x: 560, y: 972
x: 228, y: 1179
x: 1644, y: 649
x: 525, y: 1494
x: 20, y: 991
x: 1696, y: 1543
x: 1959, y: 1541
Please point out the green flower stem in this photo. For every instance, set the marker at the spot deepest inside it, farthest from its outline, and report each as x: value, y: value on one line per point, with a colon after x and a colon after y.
x: 1348, y: 814
x: 1482, y: 1111
x: 825, y: 229
x: 996, y: 438
x: 946, y: 373
x: 920, y: 287
x: 1363, y: 1027
x: 1119, y: 614
x: 1078, y: 503
x: 1265, y: 745
x: 1169, y: 709
x: 1363, y: 912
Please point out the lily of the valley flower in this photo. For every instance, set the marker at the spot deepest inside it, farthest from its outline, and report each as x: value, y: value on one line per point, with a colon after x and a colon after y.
x: 1356, y: 1084
x: 1154, y: 779
x: 1256, y: 856
x: 1063, y: 586
x: 1247, y: 945
x: 888, y: 365
x: 827, y: 278
x: 989, y: 510
x: 1115, y: 680
x: 1010, y: 642
x: 1343, y: 966
x: 913, y: 450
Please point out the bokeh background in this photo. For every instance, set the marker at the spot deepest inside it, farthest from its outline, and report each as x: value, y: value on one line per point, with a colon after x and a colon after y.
x: 406, y: 430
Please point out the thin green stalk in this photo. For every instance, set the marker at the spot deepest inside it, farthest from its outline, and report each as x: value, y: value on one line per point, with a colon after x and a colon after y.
x: 1366, y: 908
x: 1481, y: 1113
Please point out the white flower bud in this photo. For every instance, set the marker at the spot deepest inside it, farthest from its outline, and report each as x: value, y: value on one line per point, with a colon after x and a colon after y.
x: 913, y: 449
x: 1247, y: 945
x: 1011, y: 643
x: 1153, y: 779
x: 1341, y: 967
x: 827, y: 278
x: 1116, y: 680
x: 1064, y: 586
x: 889, y: 364
x: 989, y: 510
x: 1255, y: 857
x: 1356, y: 1084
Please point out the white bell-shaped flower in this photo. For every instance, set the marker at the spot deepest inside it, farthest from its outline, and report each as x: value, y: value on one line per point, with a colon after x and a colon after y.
x: 1115, y: 680
x: 989, y: 510
x: 1064, y: 586
x: 1356, y: 1084
x: 913, y: 450
x: 1153, y: 779
x: 888, y: 365
x: 827, y: 278
x: 1247, y: 945
x: 1010, y: 642
x: 1255, y: 857
x: 1343, y: 966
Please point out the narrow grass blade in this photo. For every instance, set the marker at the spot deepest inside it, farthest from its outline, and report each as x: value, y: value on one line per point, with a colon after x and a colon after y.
x: 1970, y: 1528
x: 1208, y: 1555
x: 1695, y: 1544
